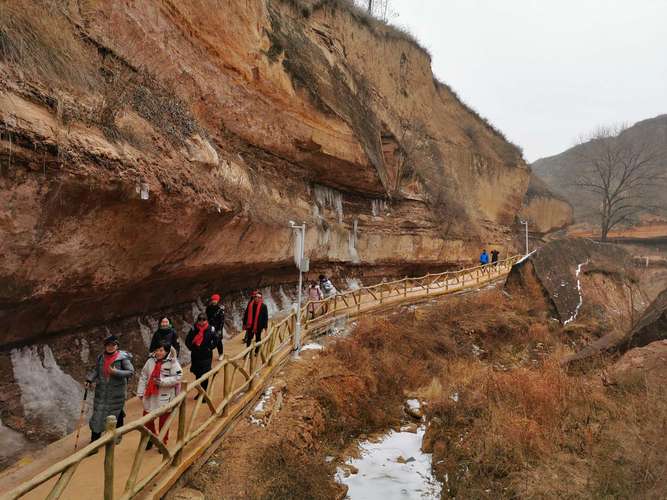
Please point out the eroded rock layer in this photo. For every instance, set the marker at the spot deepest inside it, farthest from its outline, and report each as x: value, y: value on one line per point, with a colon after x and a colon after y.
x: 151, y: 151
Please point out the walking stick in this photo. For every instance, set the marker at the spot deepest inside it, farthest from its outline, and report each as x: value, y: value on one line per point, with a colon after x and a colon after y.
x: 78, y: 426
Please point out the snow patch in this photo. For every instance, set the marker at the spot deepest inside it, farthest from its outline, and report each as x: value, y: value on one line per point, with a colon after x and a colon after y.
x: 382, y: 476
x: 259, y: 407
x: 47, y: 393
x: 413, y: 404
x: 525, y: 257
x: 312, y: 347
x: 581, y: 297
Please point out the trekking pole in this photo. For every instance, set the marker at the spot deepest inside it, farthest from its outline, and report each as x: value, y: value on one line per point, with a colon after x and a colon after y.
x: 78, y: 426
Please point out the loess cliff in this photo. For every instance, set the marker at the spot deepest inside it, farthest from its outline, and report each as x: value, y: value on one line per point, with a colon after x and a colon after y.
x: 151, y: 151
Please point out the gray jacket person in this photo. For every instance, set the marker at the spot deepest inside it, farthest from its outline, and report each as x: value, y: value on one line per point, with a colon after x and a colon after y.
x: 112, y: 371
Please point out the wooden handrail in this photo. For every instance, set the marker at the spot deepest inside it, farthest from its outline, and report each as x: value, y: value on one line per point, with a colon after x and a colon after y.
x: 279, y: 338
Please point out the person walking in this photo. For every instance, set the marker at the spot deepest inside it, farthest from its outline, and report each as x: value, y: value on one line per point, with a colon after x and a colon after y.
x: 314, y: 295
x: 202, y: 340
x: 255, y: 319
x: 484, y: 258
x: 215, y: 313
x: 112, y: 370
x: 494, y: 256
x: 165, y: 333
x: 327, y: 287
x: 159, y: 383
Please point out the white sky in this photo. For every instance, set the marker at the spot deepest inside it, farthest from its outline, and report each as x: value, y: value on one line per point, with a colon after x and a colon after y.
x: 546, y: 71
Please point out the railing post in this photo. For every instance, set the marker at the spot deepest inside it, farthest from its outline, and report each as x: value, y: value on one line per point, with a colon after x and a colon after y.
x: 109, y: 449
x: 178, y: 458
x: 227, y: 387
x: 405, y: 287
x: 252, y: 364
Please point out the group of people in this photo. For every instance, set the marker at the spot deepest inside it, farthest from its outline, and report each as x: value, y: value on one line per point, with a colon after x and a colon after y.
x: 319, y: 290
x: 484, y: 257
x: 161, y: 376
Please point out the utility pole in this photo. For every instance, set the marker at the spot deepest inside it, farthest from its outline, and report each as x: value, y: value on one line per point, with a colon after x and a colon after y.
x: 303, y: 265
x: 525, y: 222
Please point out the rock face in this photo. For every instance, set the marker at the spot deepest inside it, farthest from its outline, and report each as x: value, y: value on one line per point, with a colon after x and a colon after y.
x: 544, y: 210
x: 646, y: 365
x: 652, y: 325
x: 152, y: 151
x: 598, y: 284
x: 574, y: 274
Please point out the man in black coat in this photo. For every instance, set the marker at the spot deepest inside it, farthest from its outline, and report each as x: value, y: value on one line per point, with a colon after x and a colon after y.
x: 494, y: 257
x: 201, y: 341
x: 215, y: 313
x: 255, y: 319
x: 165, y: 334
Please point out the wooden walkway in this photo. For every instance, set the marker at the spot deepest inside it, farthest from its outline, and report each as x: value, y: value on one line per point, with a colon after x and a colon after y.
x: 125, y: 470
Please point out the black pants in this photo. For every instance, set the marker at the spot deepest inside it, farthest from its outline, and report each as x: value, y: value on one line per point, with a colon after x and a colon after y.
x: 248, y: 338
x: 119, y: 423
x: 198, y: 372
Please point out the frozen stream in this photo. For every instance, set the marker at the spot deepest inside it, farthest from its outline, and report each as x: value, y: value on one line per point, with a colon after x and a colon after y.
x: 393, y: 468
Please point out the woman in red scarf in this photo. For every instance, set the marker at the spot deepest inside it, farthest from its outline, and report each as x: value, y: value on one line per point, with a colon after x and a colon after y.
x: 113, y: 368
x: 201, y: 341
x: 255, y: 319
x: 159, y: 383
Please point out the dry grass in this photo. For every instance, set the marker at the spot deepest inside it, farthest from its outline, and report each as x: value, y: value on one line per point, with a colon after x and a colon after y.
x: 505, y: 420
x: 36, y: 37
x: 286, y: 472
x: 365, y: 376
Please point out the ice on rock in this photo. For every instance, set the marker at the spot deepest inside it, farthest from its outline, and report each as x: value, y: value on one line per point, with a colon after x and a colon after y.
x: 270, y: 302
x: 146, y: 333
x: 329, y: 198
x: 353, y: 283
x: 47, y: 393
x: 85, y: 351
x: 11, y: 441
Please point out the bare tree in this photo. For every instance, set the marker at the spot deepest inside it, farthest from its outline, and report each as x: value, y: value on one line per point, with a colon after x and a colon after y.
x: 377, y: 8
x: 620, y: 172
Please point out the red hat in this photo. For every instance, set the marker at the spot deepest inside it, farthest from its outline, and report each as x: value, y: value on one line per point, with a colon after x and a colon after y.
x: 253, y: 293
x: 216, y: 297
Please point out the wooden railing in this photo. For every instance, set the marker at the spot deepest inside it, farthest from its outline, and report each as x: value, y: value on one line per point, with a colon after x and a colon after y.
x: 238, y: 374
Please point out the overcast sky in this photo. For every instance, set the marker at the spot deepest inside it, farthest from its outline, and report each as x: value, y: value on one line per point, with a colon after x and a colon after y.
x: 545, y: 71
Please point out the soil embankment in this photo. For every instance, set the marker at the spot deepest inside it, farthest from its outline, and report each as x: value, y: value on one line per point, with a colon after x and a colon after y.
x: 504, y: 419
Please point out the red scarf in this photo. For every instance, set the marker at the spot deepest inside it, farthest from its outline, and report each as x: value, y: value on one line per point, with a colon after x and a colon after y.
x: 152, y: 387
x: 199, y: 338
x: 108, y: 361
x: 250, y: 321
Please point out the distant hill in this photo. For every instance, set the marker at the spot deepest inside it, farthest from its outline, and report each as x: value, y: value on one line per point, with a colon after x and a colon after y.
x: 560, y: 171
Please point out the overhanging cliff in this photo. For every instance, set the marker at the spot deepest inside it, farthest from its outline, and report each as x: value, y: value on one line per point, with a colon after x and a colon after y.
x: 153, y: 150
